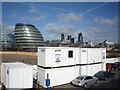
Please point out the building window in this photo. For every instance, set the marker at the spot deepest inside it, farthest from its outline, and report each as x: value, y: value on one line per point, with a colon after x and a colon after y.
x: 70, y: 54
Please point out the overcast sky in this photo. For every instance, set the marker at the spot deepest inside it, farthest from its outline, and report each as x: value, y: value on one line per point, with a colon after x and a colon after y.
x: 97, y: 21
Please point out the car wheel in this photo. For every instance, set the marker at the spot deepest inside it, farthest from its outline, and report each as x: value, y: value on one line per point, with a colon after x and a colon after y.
x: 96, y: 82
x: 106, y: 79
x: 113, y: 69
x: 113, y: 76
x: 85, y: 85
x: 71, y: 82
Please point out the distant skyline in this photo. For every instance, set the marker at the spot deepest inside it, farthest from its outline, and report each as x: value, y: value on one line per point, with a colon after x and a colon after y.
x: 97, y: 21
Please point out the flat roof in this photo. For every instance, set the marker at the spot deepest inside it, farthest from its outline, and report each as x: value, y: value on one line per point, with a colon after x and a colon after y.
x: 16, y: 65
x: 67, y: 48
x: 56, y: 47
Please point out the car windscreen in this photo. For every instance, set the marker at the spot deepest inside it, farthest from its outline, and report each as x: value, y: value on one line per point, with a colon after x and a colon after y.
x: 101, y: 72
x: 80, y: 78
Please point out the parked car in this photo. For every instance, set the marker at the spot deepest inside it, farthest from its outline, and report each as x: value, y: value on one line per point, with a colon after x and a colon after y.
x: 85, y: 81
x: 118, y: 65
x: 104, y: 75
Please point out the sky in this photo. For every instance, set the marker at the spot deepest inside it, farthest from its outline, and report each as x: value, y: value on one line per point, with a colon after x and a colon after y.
x: 60, y: 0
x: 97, y: 21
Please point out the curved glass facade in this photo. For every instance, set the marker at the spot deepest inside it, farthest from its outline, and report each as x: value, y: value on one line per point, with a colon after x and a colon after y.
x: 27, y: 36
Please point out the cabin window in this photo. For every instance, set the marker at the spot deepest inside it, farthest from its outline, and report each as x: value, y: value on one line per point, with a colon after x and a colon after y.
x: 70, y: 54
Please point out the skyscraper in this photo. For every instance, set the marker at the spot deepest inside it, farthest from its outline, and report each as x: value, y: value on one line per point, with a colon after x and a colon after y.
x: 72, y: 40
x: 62, y: 37
x: 69, y: 37
x: 80, y: 39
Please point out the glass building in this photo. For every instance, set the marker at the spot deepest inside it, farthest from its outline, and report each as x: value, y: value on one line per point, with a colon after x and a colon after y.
x: 27, y: 37
x: 7, y: 42
x: 80, y: 39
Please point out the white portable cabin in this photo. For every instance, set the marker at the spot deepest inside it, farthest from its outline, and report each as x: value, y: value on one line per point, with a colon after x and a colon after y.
x: 94, y: 60
x: 63, y: 64
x: 17, y: 75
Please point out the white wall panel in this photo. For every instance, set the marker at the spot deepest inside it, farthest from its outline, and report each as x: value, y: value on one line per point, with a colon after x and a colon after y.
x: 83, y: 56
x: 94, y: 55
x: 17, y: 75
